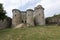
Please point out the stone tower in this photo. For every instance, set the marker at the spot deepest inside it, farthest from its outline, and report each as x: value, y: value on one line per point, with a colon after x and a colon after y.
x: 39, y: 15
x: 30, y: 17
x: 16, y: 17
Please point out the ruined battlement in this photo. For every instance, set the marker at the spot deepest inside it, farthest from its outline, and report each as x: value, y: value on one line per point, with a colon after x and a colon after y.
x: 39, y: 7
x: 29, y: 17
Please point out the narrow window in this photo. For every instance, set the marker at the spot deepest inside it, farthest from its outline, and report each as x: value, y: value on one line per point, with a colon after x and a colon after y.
x: 39, y: 14
x: 22, y: 21
x: 15, y: 15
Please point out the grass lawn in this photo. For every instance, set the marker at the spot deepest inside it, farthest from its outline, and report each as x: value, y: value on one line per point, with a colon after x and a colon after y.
x: 32, y: 33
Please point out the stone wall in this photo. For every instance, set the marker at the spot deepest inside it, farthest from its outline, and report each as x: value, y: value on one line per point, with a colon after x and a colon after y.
x: 23, y: 16
x: 53, y: 20
x: 6, y: 23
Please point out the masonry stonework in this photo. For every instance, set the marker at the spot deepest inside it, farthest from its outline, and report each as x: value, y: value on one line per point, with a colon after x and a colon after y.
x: 39, y: 15
x: 6, y: 23
x: 30, y: 20
x: 17, y: 19
x: 29, y: 17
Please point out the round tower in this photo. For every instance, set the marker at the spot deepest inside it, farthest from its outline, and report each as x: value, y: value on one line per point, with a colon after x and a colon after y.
x: 39, y: 15
x: 17, y: 19
x: 30, y: 19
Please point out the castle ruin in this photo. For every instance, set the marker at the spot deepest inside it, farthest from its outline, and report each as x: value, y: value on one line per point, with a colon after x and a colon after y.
x: 29, y: 17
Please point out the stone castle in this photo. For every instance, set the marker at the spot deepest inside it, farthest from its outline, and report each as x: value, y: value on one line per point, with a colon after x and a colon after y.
x: 29, y: 17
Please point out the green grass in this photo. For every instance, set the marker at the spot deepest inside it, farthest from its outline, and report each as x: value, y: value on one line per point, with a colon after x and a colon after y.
x: 31, y: 33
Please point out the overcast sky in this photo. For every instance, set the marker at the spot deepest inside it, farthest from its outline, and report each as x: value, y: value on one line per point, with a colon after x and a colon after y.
x: 52, y: 7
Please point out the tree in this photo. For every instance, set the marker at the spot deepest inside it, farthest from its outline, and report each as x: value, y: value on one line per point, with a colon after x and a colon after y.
x: 2, y: 12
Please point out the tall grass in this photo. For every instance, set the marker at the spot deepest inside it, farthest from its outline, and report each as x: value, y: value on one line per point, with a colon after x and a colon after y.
x: 31, y: 33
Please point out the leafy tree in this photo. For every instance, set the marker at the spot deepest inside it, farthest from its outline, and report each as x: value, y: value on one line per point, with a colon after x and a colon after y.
x: 2, y: 12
